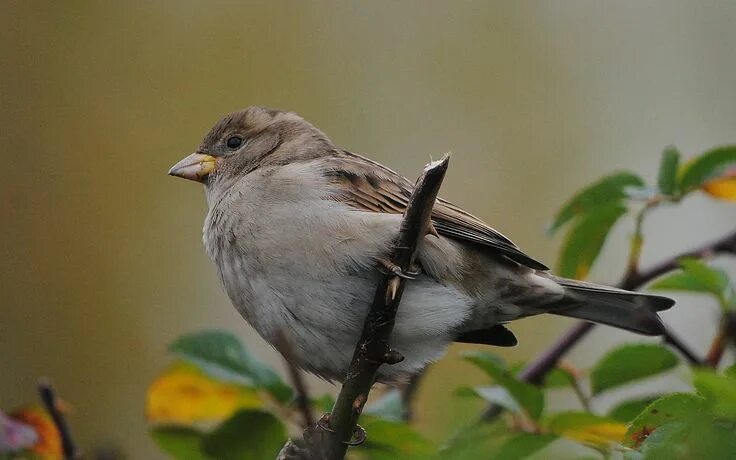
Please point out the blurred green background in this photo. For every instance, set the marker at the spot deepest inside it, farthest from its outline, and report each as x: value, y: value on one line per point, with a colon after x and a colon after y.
x: 102, y: 261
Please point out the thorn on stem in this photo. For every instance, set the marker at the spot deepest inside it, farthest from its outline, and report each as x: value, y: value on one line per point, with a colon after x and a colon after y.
x: 392, y: 357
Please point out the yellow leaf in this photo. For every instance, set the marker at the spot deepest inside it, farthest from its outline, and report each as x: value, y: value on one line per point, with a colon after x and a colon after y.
x: 601, y: 434
x: 185, y: 394
x: 723, y: 187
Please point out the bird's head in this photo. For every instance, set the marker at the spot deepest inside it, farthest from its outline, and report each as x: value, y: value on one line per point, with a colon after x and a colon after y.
x: 247, y: 140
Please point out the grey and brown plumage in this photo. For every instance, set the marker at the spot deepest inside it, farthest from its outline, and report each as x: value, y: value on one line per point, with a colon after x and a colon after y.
x: 297, y: 229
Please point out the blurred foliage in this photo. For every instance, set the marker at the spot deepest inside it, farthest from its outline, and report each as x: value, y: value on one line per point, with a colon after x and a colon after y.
x: 216, y: 401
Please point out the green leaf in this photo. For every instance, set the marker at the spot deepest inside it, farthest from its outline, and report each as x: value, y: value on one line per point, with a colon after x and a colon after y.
x: 494, y: 394
x: 585, y: 239
x: 719, y: 391
x: 387, y: 440
x: 528, y: 396
x: 698, y: 277
x: 609, y: 189
x: 730, y: 372
x: 627, y: 411
x: 248, y: 434
x: 221, y: 354
x: 479, y: 440
x: 181, y: 443
x: 668, y: 408
x: 324, y: 403
x: 387, y: 407
x: 523, y: 445
x: 707, y: 166
x: 559, y: 378
x: 628, y: 363
x: 667, y: 181
x: 699, y: 437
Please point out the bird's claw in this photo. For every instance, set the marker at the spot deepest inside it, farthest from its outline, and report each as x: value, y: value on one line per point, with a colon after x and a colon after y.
x: 360, y: 436
x: 392, y: 268
x: 324, y: 423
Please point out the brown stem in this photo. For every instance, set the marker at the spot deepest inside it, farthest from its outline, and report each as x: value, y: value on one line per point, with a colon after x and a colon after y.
x: 535, y: 371
x: 48, y: 397
x: 726, y: 335
x: 331, y: 436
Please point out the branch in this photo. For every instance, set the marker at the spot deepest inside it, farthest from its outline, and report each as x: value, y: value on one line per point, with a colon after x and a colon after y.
x: 48, y: 397
x: 330, y: 438
x: 373, y: 349
x: 634, y: 279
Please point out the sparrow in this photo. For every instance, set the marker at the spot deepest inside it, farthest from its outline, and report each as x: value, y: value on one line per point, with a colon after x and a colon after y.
x: 300, y: 230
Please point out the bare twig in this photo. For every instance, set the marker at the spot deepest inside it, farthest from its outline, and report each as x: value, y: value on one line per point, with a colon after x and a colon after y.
x: 372, y: 349
x: 48, y: 397
x: 634, y: 279
x: 726, y: 334
x: 297, y: 379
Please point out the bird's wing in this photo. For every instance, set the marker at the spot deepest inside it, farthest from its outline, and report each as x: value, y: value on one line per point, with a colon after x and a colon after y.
x: 370, y: 186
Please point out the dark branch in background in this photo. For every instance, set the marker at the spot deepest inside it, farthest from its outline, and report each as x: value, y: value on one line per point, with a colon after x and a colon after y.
x: 330, y: 438
x: 297, y: 379
x: 536, y: 371
x: 48, y: 397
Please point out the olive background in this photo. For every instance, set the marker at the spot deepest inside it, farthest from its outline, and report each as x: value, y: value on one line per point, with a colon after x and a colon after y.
x: 102, y: 261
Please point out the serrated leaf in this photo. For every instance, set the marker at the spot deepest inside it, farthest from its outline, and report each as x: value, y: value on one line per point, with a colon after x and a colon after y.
x: 583, y: 242
x: 222, y: 355
x: 185, y: 394
x: 388, y: 407
x: 387, y: 440
x: 527, y: 395
x: 719, y: 391
x: 697, y: 276
x: 628, y: 363
x: 668, y: 408
x: 587, y: 428
x: 523, y: 445
x: 699, y: 437
x: 667, y: 180
x: 181, y: 443
x: 609, y: 189
x: 248, y: 434
x: 627, y: 411
x: 707, y: 166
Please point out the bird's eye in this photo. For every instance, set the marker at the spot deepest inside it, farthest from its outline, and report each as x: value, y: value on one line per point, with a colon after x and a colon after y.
x: 234, y: 142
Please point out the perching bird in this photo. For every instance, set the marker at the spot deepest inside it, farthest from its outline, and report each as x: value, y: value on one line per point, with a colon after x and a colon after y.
x: 299, y: 230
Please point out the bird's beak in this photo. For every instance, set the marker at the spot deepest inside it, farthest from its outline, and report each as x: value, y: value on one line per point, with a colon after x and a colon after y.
x: 196, y: 166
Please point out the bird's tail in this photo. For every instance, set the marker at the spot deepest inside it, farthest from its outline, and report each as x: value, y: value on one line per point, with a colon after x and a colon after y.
x: 628, y: 310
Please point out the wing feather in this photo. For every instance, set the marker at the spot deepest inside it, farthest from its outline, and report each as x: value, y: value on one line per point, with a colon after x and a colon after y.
x: 370, y: 186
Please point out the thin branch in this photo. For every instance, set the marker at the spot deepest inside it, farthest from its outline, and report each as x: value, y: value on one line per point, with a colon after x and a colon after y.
x: 726, y: 334
x: 331, y: 436
x: 48, y: 397
x: 535, y: 371
x: 372, y: 349
x: 297, y: 379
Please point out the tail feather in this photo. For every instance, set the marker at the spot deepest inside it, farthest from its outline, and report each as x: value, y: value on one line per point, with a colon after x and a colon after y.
x: 632, y: 311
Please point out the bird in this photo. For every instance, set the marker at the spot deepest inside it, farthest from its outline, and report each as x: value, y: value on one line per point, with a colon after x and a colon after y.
x: 300, y: 231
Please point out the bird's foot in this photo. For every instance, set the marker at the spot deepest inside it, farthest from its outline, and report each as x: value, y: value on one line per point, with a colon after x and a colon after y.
x: 389, y: 267
x: 359, y: 437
